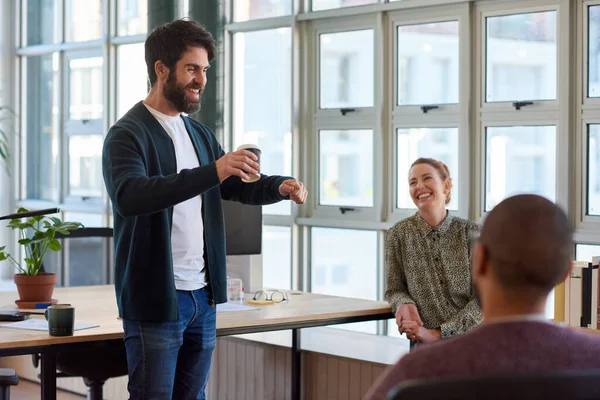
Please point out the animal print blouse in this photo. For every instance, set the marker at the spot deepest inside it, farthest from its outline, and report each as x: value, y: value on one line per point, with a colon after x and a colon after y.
x: 430, y: 267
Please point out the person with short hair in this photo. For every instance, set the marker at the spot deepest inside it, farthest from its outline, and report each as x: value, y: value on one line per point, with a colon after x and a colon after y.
x: 166, y: 174
x: 427, y: 259
x: 523, y: 252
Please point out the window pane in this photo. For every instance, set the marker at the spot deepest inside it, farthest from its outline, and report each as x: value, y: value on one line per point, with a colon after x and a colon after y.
x: 593, y: 170
x: 41, y: 103
x: 346, y: 168
x: 438, y: 143
x: 520, y: 159
x: 83, y: 20
x: 133, y: 17
x: 318, y: 5
x: 132, y: 79
x: 346, y: 69
x: 594, y: 52
x: 41, y: 22
x: 521, y: 57
x: 244, y: 10
x: 344, y: 263
x: 585, y: 252
x: 85, y: 84
x: 428, y: 63
x: 86, y: 257
x: 277, y: 257
x: 85, y: 166
x: 262, y: 91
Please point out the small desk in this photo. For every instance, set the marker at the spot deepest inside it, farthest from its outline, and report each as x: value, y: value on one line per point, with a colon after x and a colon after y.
x: 97, y: 304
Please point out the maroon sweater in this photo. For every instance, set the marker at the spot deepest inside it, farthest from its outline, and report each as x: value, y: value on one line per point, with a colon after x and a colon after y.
x: 499, y: 347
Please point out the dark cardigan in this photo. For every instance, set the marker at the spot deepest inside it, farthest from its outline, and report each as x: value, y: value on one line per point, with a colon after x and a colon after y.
x: 140, y: 173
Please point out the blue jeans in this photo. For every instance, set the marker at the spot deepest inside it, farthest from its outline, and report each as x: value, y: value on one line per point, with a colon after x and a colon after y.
x: 171, y: 360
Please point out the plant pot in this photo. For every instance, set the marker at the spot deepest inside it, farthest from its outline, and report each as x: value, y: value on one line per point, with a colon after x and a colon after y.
x: 35, y: 288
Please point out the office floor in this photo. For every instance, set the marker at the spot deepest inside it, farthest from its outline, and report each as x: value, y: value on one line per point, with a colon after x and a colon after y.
x: 26, y: 390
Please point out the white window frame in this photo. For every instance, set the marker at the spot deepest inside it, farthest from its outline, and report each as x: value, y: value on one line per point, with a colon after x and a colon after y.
x: 332, y: 119
x: 588, y: 108
x: 542, y: 112
x: 449, y: 115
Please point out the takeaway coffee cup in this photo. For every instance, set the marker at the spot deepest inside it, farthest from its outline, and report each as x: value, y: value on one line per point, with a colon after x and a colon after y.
x: 61, y: 319
x: 256, y: 150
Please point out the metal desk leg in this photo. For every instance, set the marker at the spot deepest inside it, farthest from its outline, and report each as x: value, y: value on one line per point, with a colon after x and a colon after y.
x: 48, y: 374
x: 296, y: 365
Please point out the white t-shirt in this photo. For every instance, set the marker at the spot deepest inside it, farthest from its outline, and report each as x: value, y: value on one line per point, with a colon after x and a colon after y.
x: 187, y: 233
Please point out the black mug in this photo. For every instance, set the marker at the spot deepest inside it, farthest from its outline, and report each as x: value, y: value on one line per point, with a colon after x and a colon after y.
x: 253, y: 148
x: 61, y: 319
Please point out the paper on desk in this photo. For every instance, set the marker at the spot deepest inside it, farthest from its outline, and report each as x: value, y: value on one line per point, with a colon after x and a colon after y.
x: 226, y: 307
x: 42, y: 325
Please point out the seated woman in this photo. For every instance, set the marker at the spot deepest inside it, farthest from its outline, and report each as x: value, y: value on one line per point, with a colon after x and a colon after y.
x: 428, y: 261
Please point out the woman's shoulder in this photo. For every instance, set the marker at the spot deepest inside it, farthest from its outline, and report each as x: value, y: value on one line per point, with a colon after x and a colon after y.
x: 407, y: 224
x: 466, y: 224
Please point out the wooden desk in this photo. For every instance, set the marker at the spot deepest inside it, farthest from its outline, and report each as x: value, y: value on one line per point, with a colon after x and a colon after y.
x: 97, y: 304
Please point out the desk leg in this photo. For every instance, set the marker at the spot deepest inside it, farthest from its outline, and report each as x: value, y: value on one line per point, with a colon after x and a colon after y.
x: 48, y: 374
x: 296, y: 365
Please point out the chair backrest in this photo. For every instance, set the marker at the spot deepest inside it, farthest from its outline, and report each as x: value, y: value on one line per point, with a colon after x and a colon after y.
x: 87, y: 233
x: 566, y: 384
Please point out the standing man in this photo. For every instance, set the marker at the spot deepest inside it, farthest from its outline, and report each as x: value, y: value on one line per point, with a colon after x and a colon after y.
x: 166, y: 175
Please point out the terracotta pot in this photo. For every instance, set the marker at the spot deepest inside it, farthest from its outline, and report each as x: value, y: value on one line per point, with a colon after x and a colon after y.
x: 36, y: 288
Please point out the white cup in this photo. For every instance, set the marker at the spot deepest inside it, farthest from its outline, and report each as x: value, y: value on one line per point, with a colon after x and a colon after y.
x: 257, y: 152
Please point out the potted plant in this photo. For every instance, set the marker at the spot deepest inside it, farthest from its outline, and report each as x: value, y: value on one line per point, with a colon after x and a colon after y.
x: 37, y: 235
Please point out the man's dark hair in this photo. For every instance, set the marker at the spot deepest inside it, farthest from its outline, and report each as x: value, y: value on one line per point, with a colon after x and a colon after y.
x: 528, y: 241
x: 168, y: 42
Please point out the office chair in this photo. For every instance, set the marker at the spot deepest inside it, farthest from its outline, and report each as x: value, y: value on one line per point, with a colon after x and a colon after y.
x: 566, y: 384
x: 95, y: 362
x: 8, y: 378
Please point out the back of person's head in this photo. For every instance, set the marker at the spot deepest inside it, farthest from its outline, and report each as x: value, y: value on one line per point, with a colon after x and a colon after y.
x: 169, y: 42
x: 527, y: 240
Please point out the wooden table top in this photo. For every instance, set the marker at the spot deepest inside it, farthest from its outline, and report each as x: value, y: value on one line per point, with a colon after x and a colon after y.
x: 97, y: 305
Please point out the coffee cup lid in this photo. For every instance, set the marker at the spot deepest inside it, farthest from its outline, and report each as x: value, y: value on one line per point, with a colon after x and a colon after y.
x: 249, y: 146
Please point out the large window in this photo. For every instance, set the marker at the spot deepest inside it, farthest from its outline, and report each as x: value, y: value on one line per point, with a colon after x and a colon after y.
x: 41, y: 126
x: 521, y: 113
x: 429, y: 100
x: 519, y: 159
x: 588, y: 140
x: 344, y: 263
x: 521, y: 57
x: 262, y: 91
x: 69, y: 94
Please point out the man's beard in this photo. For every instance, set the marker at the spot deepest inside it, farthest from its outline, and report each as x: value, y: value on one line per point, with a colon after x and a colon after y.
x: 176, y: 94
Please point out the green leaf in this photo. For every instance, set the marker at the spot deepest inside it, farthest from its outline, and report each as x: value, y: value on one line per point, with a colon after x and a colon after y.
x: 3, y: 256
x: 17, y: 224
x: 26, y: 241
x: 54, y: 245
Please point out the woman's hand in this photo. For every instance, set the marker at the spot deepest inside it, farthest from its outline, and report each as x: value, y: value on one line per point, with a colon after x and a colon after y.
x: 408, y: 312
x: 418, y: 333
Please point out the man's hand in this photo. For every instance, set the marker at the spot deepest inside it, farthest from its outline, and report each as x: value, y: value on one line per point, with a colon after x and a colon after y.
x: 240, y: 163
x: 295, y: 189
x: 418, y: 333
x: 407, y: 312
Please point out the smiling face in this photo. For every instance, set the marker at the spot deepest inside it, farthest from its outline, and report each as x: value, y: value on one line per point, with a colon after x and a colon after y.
x: 427, y: 189
x: 186, y: 82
